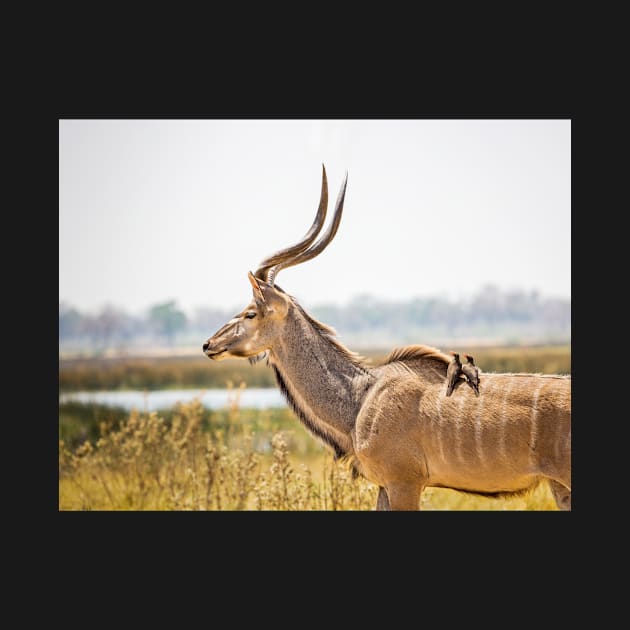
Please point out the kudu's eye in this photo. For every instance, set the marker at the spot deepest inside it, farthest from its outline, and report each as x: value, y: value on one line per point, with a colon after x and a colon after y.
x: 250, y: 314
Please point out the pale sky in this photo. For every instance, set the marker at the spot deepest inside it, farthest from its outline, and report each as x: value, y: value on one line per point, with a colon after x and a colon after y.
x: 152, y: 210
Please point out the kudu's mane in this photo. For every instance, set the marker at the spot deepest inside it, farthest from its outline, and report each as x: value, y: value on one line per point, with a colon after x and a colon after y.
x: 329, y: 334
x: 427, y: 355
x: 417, y: 352
x: 420, y: 358
x: 416, y: 356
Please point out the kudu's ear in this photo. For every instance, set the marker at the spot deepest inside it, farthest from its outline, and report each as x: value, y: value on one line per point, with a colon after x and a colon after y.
x: 267, y: 299
x: 258, y: 293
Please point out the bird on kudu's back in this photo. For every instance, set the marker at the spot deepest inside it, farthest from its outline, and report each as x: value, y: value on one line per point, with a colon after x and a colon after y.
x: 471, y: 372
x: 453, y: 373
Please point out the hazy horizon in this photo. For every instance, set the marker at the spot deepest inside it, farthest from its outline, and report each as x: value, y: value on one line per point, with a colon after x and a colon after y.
x: 459, y: 299
x: 153, y: 210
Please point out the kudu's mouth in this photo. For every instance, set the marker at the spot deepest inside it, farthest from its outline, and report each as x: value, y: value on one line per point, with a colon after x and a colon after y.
x: 214, y: 354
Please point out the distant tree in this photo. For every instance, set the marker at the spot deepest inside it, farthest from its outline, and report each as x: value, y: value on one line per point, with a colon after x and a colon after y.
x: 70, y: 321
x: 90, y: 329
x: 167, y: 320
x: 487, y: 305
x: 518, y: 306
x: 101, y: 329
x: 110, y: 324
x: 557, y: 312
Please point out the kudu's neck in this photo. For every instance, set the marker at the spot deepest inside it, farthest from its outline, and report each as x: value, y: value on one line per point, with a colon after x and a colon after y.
x: 322, y: 382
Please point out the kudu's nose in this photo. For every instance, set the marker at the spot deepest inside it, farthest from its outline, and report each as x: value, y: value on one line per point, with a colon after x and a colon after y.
x: 205, y: 346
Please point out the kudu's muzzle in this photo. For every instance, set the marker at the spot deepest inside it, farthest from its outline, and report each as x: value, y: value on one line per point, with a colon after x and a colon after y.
x: 220, y: 341
x: 213, y: 349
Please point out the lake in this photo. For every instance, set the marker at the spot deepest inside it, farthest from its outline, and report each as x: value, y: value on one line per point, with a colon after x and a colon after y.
x: 261, y: 398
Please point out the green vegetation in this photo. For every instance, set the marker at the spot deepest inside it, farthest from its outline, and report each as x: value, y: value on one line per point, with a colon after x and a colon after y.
x: 182, y: 372
x: 79, y: 422
x: 146, y: 462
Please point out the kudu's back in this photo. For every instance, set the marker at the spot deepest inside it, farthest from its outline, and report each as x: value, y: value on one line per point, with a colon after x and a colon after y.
x: 517, y: 432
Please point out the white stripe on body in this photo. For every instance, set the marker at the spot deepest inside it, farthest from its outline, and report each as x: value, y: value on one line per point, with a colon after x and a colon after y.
x: 439, y: 430
x: 533, y: 429
x: 458, y: 427
x: 504, y: 419
x: 478, y: 435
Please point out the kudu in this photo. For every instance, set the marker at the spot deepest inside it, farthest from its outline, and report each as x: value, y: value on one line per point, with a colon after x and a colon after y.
x: 392, y: 422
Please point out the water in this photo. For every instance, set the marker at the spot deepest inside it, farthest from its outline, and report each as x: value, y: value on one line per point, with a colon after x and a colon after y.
x: 260, y: 398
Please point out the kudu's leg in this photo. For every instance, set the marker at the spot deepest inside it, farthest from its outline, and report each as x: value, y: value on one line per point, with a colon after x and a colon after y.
x: 404, y: 496
x: 561, y: 495
x: 382, y: 503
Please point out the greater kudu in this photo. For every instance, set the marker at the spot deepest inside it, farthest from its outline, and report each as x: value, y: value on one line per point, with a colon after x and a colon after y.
x: 393, y: 422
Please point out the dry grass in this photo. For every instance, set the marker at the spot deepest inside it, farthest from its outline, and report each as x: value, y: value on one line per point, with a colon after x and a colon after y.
x: 197, y: 371
x: 147, y: 463
x: 159, y: 373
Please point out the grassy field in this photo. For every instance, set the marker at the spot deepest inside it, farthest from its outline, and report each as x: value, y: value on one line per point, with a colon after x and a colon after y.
x: 199, y: 371
x: 192, y: 458
x: 234, y: 459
